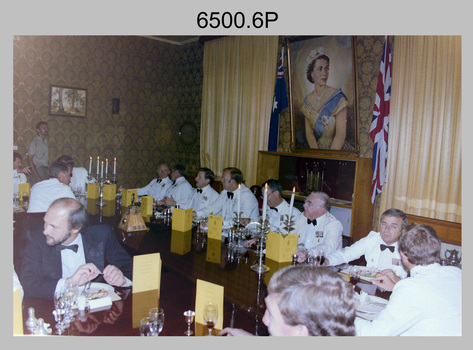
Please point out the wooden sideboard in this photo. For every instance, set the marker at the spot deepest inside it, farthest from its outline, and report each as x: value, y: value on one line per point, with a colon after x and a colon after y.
x: 345, y: 179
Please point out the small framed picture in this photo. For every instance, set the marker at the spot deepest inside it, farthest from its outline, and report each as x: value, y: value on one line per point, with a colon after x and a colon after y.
x: 68, y: 101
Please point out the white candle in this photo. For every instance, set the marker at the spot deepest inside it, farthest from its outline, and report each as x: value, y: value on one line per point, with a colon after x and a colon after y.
x: 114, y: 165
x: 98, y: 166
x: 101, y: 170
x: 265, y: 201
x: 291, y: 205
x: 106, y: 167
x: 90, y: 165
x: 239, y: 196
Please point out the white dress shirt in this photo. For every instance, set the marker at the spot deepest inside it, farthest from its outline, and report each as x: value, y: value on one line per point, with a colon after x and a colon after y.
x: 45, y: 192
x: 202, y: 200
x: 181, y: 191
x: 80, y: 179
x: 277, y: 218
x: 155, y: 189
x: 326, y: 235
x: 428, y: 303
x: 18, y: 178
x: 369, y: 246
x: 71, y: 261
x: 227, y: 207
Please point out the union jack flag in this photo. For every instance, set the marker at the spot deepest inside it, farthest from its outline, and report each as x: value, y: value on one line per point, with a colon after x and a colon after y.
x: 380, y: 123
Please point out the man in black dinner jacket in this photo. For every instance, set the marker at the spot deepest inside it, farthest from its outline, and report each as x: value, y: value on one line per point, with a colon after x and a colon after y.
x: 68, y: 252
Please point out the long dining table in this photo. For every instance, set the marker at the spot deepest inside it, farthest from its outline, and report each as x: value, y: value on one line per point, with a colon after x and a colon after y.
x: 186, y: 257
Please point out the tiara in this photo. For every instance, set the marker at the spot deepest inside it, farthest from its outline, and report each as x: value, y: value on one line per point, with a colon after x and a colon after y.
x: 315, y: 53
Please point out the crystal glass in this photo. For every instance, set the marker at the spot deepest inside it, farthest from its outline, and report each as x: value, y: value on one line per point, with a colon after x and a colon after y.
x: 354, y: 272
x: 189, y: 316
x: 156, y: 316
x: 60, y: 312
x: 146, y: 328
x: 320, y: 257
x: 210, y: 316
x: 70, y: 294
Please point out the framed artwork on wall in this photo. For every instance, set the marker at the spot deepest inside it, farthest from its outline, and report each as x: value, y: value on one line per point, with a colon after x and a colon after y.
x: 323, y: 94
x: 68, y: 101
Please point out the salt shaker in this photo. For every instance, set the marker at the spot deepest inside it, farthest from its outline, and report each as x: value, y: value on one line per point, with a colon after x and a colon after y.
x: 31, y: 323
x: 294, y: 259
x: 42, y: 328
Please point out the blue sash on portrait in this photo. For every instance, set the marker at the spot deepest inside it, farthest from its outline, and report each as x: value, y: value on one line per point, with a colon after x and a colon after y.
x: 328, y: 108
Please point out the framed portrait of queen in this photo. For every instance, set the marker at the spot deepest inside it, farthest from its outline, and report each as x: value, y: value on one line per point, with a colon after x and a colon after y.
x: 323, y: 94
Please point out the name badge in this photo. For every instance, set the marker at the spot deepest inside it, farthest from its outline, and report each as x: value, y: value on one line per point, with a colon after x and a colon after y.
x: 319, y: 235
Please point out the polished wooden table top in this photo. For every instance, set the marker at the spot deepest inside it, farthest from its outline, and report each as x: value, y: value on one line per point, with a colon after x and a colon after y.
x: 186, y: 257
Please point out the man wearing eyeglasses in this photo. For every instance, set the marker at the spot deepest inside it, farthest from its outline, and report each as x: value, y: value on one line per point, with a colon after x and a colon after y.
x: 320, y: 233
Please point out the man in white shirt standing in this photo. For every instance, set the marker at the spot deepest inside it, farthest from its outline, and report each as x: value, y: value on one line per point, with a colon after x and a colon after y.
x: 319, y: 231
x: 45, y: 192
x: 204, y: 195
x: 38, y: 154
x: 157, y: 187
x: 429, y: 301
x: 379, y: 248
x: 19, y: 172
x: 227, y: 203
x: 180, y: 191
x: 277, y: 208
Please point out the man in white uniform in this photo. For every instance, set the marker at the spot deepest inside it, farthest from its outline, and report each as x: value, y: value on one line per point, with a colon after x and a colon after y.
x: 379, y: 248
x: 319, y: 231
x: 277, y: 208
x: 157, y: 187
x: 204, y: 195
x: 79, y: 177
x: 45, y: 192
x: 180, y: 191
x: 429, y: 301
x: 227, y: 203
x: 19, y: 172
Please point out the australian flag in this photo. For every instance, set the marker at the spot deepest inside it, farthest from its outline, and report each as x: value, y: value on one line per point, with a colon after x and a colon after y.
x: 279, y: 103
x: 380, y: 123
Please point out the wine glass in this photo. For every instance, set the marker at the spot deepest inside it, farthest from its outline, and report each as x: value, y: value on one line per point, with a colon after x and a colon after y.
x: 70, y: 294
x: 354, y: 272
x: 60, y: 312
x: 146, y: 327
x: 156, y: 316
x: 320, y: 257
x: 189, y: 315
x: 210, y: 316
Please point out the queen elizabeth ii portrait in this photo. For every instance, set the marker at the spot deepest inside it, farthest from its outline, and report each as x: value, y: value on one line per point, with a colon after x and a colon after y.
x: 323, y: 93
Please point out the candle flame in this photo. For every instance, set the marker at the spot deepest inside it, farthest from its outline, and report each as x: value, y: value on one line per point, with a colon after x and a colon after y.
x: 294, y: 189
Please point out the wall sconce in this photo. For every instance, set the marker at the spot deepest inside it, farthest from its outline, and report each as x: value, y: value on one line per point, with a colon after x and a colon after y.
x: 115, y: 106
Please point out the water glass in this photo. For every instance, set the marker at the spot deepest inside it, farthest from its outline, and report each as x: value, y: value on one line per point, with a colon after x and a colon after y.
x: 156, y: 316
x: 146, y: 328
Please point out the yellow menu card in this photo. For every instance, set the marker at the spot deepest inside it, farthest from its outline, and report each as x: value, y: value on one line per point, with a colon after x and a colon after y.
x: 182, y: 219
x: 17, y: 313
x: 109, y: 192
x: 214, y: 250
x: 215, y: 227
x: 23, y: 189
x: 146, y: 272
x: 208, y: 292
x: 127, y: 196
x: 273, y: 267
x: 93, y: 190
x: 109, y: 208
x: 181, y: 242
x: 280, y: 248
x: 146, y: 205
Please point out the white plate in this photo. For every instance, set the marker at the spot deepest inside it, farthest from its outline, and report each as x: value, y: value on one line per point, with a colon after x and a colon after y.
x: 372, y: 305
x: 100, y: 290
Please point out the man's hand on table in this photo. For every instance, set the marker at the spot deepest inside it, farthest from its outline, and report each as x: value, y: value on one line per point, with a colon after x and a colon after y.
x: 386, y: 279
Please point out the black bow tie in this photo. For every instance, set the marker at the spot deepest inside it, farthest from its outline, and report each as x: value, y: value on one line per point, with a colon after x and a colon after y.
x: 199, y: 190
x: 230, y: 195
x: 274, y: 208
x: 313, y: 222
x: 173, y: 183
x: 159, y: 180
x: 72, y: 247
x: 383, y: 247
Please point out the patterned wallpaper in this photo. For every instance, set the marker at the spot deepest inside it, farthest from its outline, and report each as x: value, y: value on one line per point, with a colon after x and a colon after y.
x: 159, y: 86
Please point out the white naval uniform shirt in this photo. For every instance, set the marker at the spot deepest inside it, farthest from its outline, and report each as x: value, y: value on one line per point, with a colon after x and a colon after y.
x: 155, y: 189
x: 326, y: 235
x: 45, y: 192
x: 18, y: 178
x: 278, y: 218
x: 181, y: 191
x: 202, y: 200
x: 369, y: 246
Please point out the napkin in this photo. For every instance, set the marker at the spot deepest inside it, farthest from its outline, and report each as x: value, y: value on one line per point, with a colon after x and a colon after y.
x: 100, y: 304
